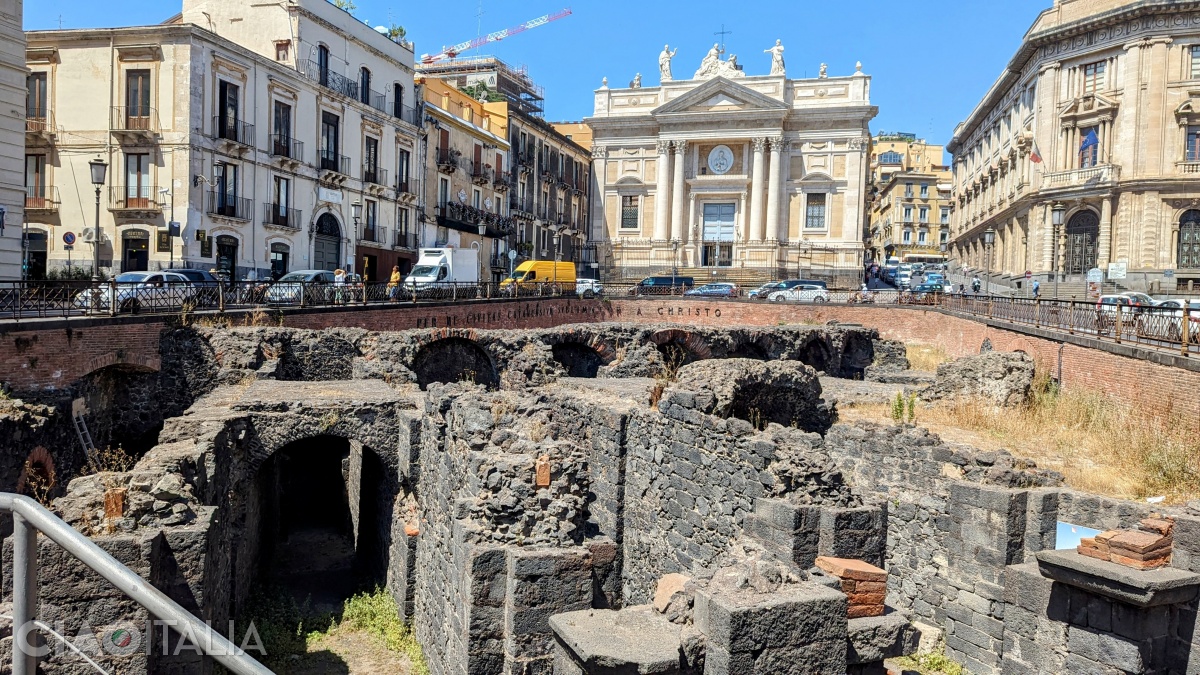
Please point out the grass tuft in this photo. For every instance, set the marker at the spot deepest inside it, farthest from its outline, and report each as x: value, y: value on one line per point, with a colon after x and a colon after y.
x: 925, y: 358
x: 932, y: 663
x: 377, y: 615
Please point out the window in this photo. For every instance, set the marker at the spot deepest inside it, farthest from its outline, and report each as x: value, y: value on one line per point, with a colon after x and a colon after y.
x: 137, y: 99
x: 364, y: 86
x: 227, y: 188
x: 371, y: 160
x: 402, y: 222
x: 227, y: 114
x: 397, y: 100
x: 891, y: 157
x: 476, y: 198
x: 1093, y: 77
x: 402, y: 161
x: 943, y: 237
x: 1195, y: 63
x: 1193, y: 144
x: 924, y: 190
x: 923, y: 214
x: 137, y: 181
x: 814, y: 217
x: 330, y: 156
x: 908, y: 236
x: 443, y: 191
x: 281, y: 50
x: 281, y: 140
x: 629, y: 212
x: 323, y: 65
x: 945, y: 216
x: 35, y: 181
x: 35, y: 96
x: 908, y: 191
x: 921, y: 236
x: 908, y: 214
x: 370, y: 219
x: 281, y: 196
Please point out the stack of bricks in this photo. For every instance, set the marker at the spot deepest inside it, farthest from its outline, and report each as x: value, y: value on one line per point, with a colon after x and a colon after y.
x: 864, y: 584
x: 1145, y: 548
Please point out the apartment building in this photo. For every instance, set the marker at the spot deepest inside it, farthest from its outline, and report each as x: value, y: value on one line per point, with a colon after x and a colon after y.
x: 467, y: 155
x: 909, y: 216
x: 12, y: 140
x: 278, y: 137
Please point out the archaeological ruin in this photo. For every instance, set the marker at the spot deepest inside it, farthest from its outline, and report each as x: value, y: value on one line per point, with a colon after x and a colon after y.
x: 595, y: 498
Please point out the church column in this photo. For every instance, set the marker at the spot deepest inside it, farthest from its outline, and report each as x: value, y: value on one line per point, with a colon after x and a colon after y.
x: 773, y: 189
x: 756, y: 191
x: 677, y: 228
x: 1104, y: 246
x: 662, y: 199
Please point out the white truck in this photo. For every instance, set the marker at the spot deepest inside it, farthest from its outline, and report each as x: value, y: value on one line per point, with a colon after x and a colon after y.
x: 441, y: 267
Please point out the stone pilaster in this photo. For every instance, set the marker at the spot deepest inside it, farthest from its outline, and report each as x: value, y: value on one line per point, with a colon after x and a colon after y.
x: 756, y: 191
x: 662, y: 200
x: 774, y: 189
x: 678, y: 231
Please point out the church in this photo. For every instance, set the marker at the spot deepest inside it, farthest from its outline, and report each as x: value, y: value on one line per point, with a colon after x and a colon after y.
x: 732, y: 177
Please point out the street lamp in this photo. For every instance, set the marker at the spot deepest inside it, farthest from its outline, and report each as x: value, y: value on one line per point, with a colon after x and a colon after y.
x: 674, y: 261
x: 557, y: 241
x: 99, y: 169
x: 482, y: 229
x: 989, y: 239
x: 1057, y: 213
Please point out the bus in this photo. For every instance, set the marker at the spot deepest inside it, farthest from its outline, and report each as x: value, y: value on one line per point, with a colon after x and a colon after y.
x: 924, y: 258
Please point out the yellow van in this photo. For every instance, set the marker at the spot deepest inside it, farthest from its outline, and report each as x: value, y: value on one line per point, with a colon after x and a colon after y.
x: 529, y: 274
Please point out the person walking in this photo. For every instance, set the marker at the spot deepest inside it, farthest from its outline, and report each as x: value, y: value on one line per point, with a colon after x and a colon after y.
x: 975, y: 284
x: 1037, y: 289
x: 393, y: 287
x: 339, y: 286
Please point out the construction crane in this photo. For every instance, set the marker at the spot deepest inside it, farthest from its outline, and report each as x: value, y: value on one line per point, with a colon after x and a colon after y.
x: 455, y: 50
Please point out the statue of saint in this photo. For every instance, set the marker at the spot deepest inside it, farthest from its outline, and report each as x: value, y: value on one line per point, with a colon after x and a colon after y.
x: 824, y: 71
x: 776, y: 53
x: 637, y: 82
x: 711, y: 63
x: 664, y: 63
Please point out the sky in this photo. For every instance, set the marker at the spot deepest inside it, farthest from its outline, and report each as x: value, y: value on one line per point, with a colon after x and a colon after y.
x: 931, y: 61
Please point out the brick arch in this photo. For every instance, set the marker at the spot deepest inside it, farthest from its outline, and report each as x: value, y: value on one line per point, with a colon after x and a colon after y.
x: 274, y: 433
x: 694, y: 343
x: 119, y: 357
x: 605, y: 348
x: 41, y: 462
x: 458, y: 350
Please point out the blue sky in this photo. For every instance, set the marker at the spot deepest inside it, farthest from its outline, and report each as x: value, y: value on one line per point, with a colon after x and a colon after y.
x: 931, y: 60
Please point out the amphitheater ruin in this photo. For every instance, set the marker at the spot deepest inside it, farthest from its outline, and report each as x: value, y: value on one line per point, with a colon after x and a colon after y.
x: 591, y: 498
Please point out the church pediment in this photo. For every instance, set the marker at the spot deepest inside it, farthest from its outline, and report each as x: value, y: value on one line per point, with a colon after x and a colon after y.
x: 721, y: 95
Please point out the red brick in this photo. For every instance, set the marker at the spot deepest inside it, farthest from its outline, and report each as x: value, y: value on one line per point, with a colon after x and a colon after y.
x: 845, y: 568
x: 872, y: 586
x: 1093, y: 553
x: 860, y: 611
x: 1133, y: 541
x: 866, y: 598
x: 1139, y: 564
x: 1162, y: 526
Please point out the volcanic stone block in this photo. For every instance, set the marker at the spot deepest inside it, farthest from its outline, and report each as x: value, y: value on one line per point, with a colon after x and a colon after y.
x: 873, y: 639
x: 634, y: 640
x: 541, y: 583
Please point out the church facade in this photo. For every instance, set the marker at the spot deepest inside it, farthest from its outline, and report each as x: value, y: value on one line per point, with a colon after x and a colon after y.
x: 732, y: 176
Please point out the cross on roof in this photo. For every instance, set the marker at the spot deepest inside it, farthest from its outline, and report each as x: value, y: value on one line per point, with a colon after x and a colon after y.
x: 722, y: 33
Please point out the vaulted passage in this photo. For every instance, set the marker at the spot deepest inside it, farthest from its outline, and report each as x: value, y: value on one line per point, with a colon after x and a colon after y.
x: 321, y: 535
x: 749, y: 350
x: 815, y: 354
x: 455, y: 360
x: 579, y: 359
x: 857, y: 354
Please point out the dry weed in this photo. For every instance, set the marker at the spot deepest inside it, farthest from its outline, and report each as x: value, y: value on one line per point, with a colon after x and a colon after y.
x: 925, y: 358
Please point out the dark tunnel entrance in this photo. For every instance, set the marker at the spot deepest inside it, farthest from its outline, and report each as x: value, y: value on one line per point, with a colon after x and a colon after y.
x: 322, y: 529
x: 455, y: 360
x: 749, y: 350
x: 857, y: 355
x: 578, y: 359
x: 816, y: 354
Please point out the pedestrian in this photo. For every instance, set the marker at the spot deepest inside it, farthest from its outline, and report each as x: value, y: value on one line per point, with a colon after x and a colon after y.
x: 975, y: 284
x: 1037, y: 289
x: 339, y: 286
x: 393, y: 287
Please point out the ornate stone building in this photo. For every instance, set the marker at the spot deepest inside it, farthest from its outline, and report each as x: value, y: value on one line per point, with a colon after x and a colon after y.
x: 12, y: 139
x: 910, y: 212
x: 1106, y: 94
x: 732, y: 176
x: 280, y: 137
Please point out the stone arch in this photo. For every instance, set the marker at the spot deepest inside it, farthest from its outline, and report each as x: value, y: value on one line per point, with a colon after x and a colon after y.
x: 119, y: 357
x: 750, y: 347
x: 455, y: 358
x: 579, y: 359
x: 815, y: 353
x: 122, y: 403
x: 38, y: 475
x: 857, y: 354
x: 679, y: 347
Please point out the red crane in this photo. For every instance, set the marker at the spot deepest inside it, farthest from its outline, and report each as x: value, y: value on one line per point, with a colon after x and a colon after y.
x: 455, y: 50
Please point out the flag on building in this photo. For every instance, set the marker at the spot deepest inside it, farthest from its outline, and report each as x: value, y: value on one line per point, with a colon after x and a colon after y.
x: 1035, y: 155
x: 1089, y: 141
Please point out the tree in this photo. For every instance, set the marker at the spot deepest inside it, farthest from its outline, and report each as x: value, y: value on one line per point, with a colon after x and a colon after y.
x: 397, y: 33
x: 347, y: 5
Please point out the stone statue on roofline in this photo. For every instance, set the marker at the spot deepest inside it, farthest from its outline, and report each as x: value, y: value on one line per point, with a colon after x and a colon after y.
x: 712, y: 66
x: 637, y: 82
x: 664, y: 63
x: 776, y: 53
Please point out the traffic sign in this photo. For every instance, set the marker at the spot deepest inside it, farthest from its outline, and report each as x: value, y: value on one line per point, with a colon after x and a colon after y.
x: 1028, y: 274
x: 512, y: 254
x: 1095, y: 276
x: 69, y: 238
x: 69, y: 247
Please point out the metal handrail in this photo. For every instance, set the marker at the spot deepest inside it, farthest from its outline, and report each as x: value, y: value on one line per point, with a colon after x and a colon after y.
x: 29, y: 518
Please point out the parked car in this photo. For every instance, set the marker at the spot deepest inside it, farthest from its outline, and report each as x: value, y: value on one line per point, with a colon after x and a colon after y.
x: 717, y: 290
x: 134, y: 291
x: 1140, y: 299
x: 766, y: 289
x: 904, y: 279
x: 935, y: 278
x: 206, y: 285
x: 802, y: 293
x: 927, y: 291
x: 588, y: 288
x: 667, y: 285
x: 317, y: 286
x: 1164, y: 321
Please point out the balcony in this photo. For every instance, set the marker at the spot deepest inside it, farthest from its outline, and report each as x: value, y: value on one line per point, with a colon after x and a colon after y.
x: 374, y: 99
x: 371, y: 173
x: 281, y: 217
x: 283, y: 146
x: 41, y: 199
x: 1101, y: 175
x: 373, y: 234
x: 230, y: 132
x: 330, y: 80
x: 502, y: 183
x: 465, y: 218
x: 447, y: 160
x: 406, y: 191
x: 334, y: 167
x: 134, y: 125
x: 134, y: 200
x: 502, y: 263
x: 481, y: 174
x: 406, y: 240
x: 39, y: 126
x: 405, y: 113
x: 225, y: 205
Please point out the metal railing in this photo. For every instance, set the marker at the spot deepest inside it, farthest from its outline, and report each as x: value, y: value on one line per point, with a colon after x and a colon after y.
x: 480, y: 173
x: 38, y: 120
x: 373, y: 233
x: 329, y: 79
x: 404, y: 187
x: 227, y: 205
x: 447, y: 157
x: 138, y: 119
x: 231, y: 129
x: 331, y: 161
x: 41, y: 198
x: 281, y: 216
x: 283, y: 145
x: 371, y: 173
x: 405, y: 240
x: 30, y: 519
x: 133, y: 197
x: 405, y: 113
x: 374, y: 99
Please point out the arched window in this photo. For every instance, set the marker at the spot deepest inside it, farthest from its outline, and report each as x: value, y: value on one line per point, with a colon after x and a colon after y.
x: 1189, y: 240
x: 364, y: 86
x: 323, y: 64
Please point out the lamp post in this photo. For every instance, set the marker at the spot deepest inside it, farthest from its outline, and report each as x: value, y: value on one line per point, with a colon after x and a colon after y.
x: 482, y: 229
x: 989, y: 239
x: 99, y: 169
x: 356, y: 214
x: 557, y: 241
x: 164, y: 192
x: 674, y: 261
x: 1057, y: 212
